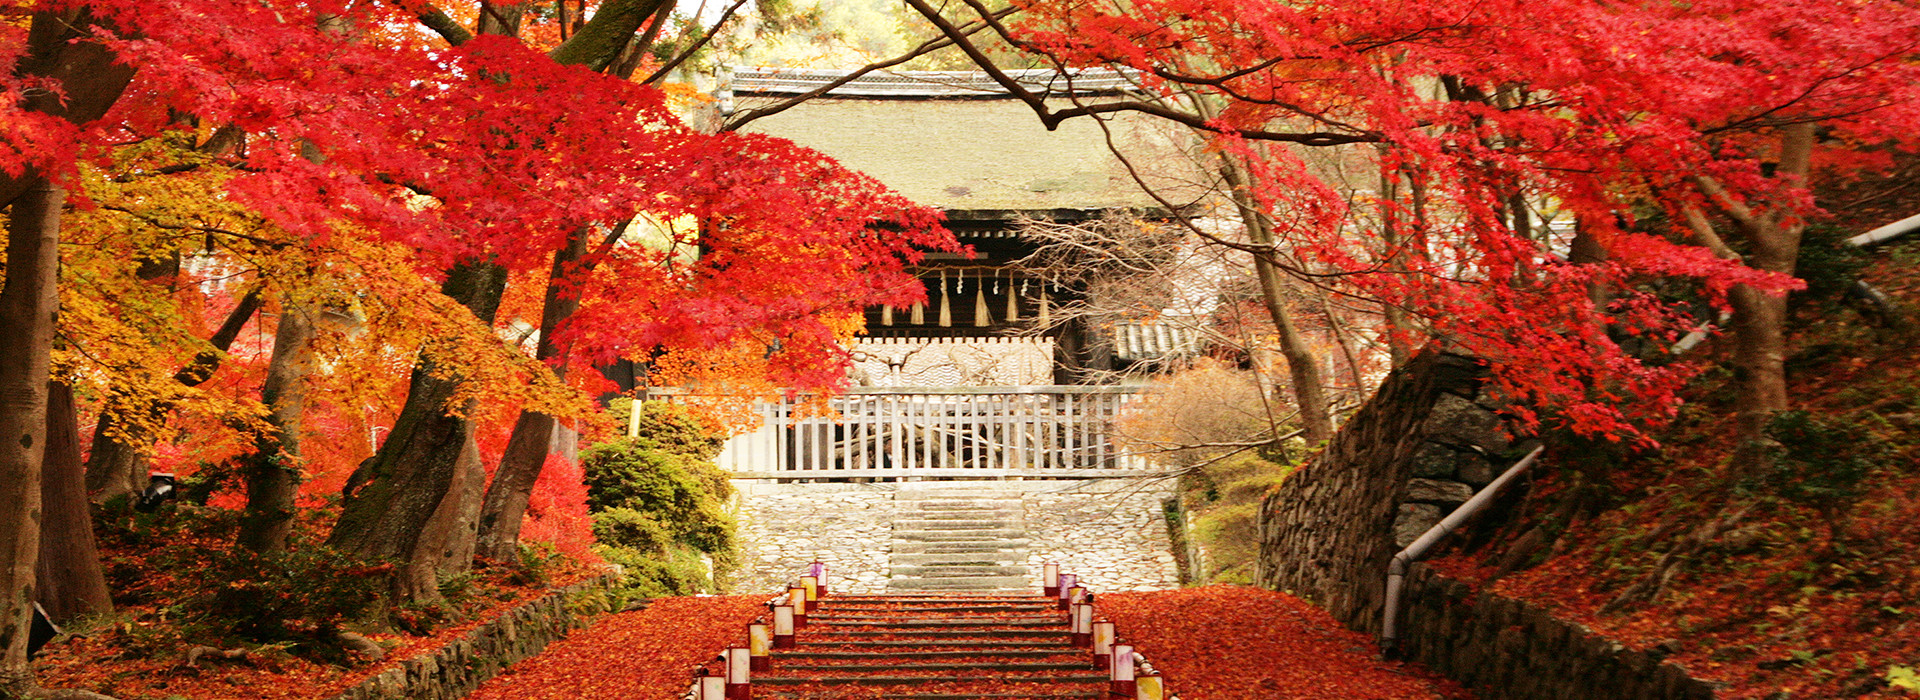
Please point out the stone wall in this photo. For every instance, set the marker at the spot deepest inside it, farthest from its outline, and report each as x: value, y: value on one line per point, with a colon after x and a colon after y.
x: 1110, y: 533
x: 1505, y: 649
x: 456, y: 669
x: 784, y: 527
x: 1327, y: 532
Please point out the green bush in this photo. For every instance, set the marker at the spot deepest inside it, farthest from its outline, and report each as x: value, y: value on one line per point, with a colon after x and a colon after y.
x: 681, y: 493
x: 302, y: 594
x: 630, y: 529
x: 669, y: 428
x: 678, y: 572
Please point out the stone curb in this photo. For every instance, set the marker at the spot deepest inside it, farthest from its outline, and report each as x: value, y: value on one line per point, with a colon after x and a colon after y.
x: 453, y: 671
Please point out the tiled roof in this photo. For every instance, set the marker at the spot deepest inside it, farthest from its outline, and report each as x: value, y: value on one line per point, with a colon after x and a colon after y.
x: 1046, y: 82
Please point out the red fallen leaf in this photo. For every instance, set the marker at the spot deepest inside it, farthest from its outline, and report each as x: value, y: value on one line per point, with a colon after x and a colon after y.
x: 641, y: 655
x: 1243, y: 643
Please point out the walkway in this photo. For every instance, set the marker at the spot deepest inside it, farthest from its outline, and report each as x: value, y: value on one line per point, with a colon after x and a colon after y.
x: 1214, y: 643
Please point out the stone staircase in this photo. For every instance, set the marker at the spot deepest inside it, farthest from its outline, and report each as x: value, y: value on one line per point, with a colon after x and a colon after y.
x: 958, y: 540
x: 930, y: 646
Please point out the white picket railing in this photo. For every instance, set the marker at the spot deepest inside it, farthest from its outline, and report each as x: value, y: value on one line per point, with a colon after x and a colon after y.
x: 981, y: 432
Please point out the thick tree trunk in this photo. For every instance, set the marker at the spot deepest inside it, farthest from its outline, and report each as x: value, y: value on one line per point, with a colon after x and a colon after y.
x: 506, y: 498
x: 272, y: 472
x: 28, y: 302
x: 90, y: 83
x: 446, y: 543
x: 411, y: 474
x: 71, y: 580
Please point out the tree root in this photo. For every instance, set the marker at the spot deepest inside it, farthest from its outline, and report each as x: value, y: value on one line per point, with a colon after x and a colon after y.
x: 195, y: 654
x: 366, y: 648
x: 1674, y: 561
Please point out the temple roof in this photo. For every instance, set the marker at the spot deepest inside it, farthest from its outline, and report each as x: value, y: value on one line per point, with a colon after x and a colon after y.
x: 957, y: 141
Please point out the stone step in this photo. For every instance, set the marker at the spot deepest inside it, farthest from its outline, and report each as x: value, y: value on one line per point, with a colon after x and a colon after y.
x: 968, y: 612
x: 888, y: 647
x: 948, y: 623
x: 1053, y: 694
x: 964, y: 515
x: 951, y: 570
x: 950, y: 495
x: 959, y: 583
x: 923, y: 636
x: 959, y: 535
x: 964, y: 653
x: 951, y: 546
x: 1088, y: 677
x: 912, y: 524
x: 976, y: 667
x: 995, y: 558
x: 968, y: 598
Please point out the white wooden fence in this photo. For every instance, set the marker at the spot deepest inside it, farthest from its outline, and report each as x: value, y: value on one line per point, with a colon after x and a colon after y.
x: 979, y: 432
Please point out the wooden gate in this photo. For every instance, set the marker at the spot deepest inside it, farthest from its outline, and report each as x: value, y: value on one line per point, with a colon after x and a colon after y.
x: 979, y: 432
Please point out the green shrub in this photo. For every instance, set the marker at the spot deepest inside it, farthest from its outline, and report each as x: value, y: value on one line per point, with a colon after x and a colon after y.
x: 669, y: 428
x: 298, y: 595
x: 631, y: 529
x: 678, y: 572
x: 676, y: 491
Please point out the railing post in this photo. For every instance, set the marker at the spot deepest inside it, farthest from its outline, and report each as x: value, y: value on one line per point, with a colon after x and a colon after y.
x: 1120, y: 681
x: 738, y: 676
x: 797, y: 599
x: 1082, y: 625
x: 1103, y: 633
x: 760, y: 646
x: 783, y: 626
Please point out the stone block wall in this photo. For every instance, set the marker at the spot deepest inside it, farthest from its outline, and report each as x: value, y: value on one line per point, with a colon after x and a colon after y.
x: 451, y: 672
x: 1505, y: 649
x: 1111, y: 533
x: 1327, y: 532
x: 786, y: 527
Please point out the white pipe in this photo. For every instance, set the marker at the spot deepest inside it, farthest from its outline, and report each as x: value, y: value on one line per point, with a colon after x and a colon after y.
x: 1887, y: 232
x: 1397, y: 568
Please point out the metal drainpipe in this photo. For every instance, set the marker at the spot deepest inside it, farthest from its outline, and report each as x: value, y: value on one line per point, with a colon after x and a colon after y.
x: 1397, y: 568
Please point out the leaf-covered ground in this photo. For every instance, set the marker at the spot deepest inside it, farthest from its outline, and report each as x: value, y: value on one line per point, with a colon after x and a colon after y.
x: 1244, y: 643
x: 1812, y: 592
x: 102, y: 661
x: 643, y: 655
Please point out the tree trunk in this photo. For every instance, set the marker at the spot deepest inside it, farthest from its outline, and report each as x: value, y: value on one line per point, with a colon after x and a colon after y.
x: 1309, y: 389
x: 28, y: 302
x: 526, y: 454
x: 91, y: 81
x: 272, y: 472
x: 71, y: 581
x: 117, y: 464
x: 410, y: 475
x: 446, y: 543
x: 1760, y: 318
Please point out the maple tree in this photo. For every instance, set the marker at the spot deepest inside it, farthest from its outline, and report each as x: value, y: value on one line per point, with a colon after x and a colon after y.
x: 1626, y: 118
x: 458, y: 163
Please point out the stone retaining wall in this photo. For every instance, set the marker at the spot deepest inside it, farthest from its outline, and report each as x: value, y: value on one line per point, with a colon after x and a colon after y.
x: 1111, y: 533
x: 786, y: 527
x: 456, y: 669
x: 1505, y: 649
